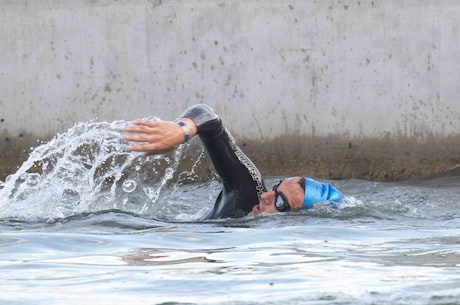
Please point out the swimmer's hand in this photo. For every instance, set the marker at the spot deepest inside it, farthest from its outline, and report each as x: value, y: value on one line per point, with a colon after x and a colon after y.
x: 156, y: 137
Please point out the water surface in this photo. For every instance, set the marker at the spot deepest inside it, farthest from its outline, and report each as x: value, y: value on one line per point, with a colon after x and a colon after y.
x: 85, y: 222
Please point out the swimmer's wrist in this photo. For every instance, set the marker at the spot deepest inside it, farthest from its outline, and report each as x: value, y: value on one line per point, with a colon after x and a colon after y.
x: 185, y: 131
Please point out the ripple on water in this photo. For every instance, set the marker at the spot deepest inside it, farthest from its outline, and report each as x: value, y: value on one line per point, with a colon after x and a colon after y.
x: 83, y: 221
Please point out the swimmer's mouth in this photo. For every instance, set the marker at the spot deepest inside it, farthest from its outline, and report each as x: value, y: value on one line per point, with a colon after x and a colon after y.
x: 255, y: 210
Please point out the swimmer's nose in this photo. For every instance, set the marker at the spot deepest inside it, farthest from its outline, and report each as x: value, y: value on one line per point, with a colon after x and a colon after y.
x: 267, y: 197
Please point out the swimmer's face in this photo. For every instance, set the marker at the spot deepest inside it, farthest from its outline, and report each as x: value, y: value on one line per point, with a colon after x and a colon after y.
x: 288, y: 191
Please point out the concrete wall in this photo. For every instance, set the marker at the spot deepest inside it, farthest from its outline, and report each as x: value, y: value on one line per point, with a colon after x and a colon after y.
x: 343, y: 88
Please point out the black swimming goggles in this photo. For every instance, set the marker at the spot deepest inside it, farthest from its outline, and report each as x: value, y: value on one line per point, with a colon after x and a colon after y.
x: 281, y: 203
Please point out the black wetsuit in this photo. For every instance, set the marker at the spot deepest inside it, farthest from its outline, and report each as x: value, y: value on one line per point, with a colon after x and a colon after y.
x: 242, y: 182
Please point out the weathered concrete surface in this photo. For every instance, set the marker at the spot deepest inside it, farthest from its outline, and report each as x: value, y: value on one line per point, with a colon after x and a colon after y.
x: 327, y: 157
x: 365, y: 89
x: 361, y: 158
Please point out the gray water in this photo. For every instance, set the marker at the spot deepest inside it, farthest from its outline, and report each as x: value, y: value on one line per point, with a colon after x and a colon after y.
x: 83, y: 221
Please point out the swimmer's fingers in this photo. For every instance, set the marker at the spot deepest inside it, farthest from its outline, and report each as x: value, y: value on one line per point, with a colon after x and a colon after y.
x: 157, y: 136
x: 143, y: 126
x: 147, y: 149
x: 152, y: 148
x: 140, y: 137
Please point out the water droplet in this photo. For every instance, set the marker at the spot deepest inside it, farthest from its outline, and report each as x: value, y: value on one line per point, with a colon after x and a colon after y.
x: 129, y: 185
x: 33, y: 179
x: 169, y: 172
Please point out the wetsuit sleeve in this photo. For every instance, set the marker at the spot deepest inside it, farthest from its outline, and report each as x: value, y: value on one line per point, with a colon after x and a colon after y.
x: 242, y: 181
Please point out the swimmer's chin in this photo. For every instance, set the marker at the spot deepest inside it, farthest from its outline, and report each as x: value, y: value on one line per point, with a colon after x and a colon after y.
x: 255, y: 211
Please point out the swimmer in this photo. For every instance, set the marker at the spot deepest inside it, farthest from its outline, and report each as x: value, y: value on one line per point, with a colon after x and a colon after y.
x: 243, y: 192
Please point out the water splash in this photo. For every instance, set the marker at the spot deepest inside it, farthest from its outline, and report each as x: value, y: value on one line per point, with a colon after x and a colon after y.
x: 87, y: 170
x: 129, y: 186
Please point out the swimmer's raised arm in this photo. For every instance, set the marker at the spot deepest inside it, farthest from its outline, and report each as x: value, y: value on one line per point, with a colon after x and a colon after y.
x: 157, y: 137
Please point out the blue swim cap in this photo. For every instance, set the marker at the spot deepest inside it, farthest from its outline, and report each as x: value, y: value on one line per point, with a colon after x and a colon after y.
x: 316, y: 191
